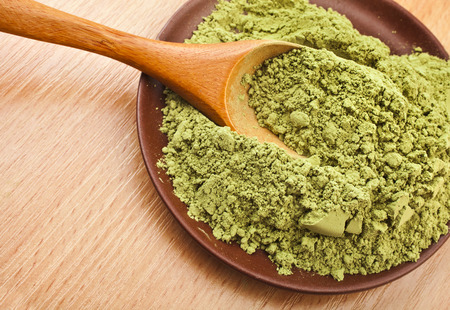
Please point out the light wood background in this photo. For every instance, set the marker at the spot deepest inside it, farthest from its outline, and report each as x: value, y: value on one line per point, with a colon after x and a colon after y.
x: 81, y: 225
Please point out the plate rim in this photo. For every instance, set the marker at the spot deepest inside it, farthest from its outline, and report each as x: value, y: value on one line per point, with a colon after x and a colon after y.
x: 172, y: 202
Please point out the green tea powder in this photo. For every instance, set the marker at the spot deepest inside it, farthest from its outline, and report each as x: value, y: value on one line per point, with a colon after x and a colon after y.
x: 373, y: 190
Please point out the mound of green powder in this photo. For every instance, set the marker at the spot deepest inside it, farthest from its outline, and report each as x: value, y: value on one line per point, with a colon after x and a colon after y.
x: 374, y: 190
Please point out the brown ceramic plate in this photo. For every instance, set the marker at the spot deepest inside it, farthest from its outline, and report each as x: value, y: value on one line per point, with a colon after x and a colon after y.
x: 383, y: 19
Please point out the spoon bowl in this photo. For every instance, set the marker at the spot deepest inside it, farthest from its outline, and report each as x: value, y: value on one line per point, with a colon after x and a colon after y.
x: 241, y: 116
x: 208, y: 76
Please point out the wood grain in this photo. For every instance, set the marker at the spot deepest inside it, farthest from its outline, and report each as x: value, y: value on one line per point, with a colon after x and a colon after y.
x: 81, y: 224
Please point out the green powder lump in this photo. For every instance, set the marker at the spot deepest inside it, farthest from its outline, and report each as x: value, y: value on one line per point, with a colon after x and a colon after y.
x: 373, y: 191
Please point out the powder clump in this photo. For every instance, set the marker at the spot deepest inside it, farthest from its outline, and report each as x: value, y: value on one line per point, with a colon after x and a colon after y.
x: 374, y: 190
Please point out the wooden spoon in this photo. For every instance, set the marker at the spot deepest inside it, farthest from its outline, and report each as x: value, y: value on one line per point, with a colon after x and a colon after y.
x: 208, y: 76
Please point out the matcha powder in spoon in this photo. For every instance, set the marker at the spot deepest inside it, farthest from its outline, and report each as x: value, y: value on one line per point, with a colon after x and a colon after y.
x: 373, y: 191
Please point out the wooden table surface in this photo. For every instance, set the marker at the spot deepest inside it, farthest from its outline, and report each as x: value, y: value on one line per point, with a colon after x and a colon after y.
x: 81, y: 223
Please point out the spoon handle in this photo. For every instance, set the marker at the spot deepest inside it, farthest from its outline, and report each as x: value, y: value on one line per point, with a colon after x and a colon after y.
x: 31, y: 19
